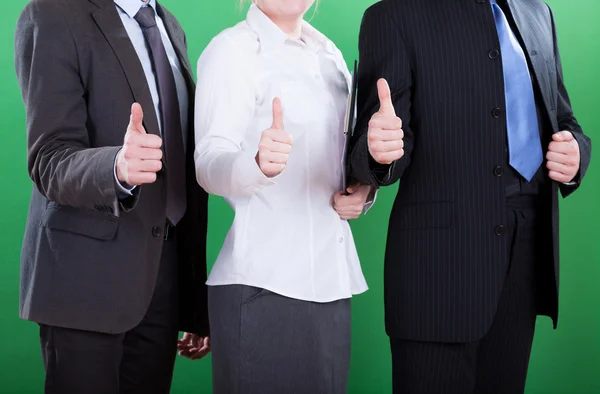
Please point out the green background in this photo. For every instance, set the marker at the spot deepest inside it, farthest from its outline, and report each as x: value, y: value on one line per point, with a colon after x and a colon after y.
x: 563, y: 361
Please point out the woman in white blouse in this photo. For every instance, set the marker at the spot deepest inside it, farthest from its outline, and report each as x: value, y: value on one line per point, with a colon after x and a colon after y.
x: 270, y: 113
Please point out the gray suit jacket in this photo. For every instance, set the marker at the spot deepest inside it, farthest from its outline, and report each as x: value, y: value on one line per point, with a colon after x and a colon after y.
x: 90, y: 261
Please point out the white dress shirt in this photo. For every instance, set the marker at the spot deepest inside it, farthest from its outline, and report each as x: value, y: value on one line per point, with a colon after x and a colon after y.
x: 127, y: 10
x: 286, y: 236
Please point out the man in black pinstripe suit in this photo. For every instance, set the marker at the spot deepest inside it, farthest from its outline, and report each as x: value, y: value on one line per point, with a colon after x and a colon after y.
x: 478, y: 126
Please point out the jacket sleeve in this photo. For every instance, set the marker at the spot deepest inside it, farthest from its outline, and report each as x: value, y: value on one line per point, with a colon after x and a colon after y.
x: 382, y: 54
x: 61, y: 162
x: 568, y: 122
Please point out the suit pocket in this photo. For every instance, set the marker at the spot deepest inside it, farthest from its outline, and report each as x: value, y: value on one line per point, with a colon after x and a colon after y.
x: 420, y: 216
x: 87, y: 222
x: 251, y: 293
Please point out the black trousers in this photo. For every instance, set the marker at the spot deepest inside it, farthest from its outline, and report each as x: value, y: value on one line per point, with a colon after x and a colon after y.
x: 138, y: 361
x: 498, y: 362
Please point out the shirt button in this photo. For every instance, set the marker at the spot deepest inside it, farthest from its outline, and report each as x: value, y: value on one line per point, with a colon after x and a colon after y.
x: 156, y: 232
x: 341, y: 239
x: 499, y: 230
x: 496, y: 112
x: 498, y: 171
x: 494, y: 54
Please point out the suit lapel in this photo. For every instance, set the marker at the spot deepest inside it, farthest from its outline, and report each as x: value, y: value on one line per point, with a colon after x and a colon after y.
x: 108, y: 20
x: 527, y: 20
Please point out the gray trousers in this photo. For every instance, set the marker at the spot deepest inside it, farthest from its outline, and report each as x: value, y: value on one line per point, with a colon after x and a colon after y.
x: 264, y: 343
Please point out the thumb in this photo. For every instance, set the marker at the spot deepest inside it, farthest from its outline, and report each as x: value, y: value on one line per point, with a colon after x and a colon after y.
x: 352, y: 189
x: 562, y: 136
x: 385, y: 98
x: 136, y: 121
x: 277, y: 114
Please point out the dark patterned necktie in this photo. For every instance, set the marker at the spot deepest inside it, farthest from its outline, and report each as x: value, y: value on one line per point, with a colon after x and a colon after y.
x: 170, y: 114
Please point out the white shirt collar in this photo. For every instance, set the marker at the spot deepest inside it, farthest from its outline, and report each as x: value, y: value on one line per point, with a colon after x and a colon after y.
x: 271, y: 36
x: 131, y: 7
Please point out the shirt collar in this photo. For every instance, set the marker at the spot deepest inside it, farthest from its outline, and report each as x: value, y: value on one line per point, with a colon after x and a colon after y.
x: 271, y: 36
x: 131, y: 7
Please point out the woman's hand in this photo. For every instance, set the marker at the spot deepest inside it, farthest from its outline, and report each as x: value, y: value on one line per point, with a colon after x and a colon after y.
x: 193, y: 346
x: 275, y: 145
x: 351, y: 206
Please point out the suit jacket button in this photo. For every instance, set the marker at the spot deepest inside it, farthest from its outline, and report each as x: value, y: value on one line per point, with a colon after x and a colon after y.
x: 494, y: 54
x: 498, y: 171
x: 500, y: 230
x: 496, y: 112
x: 156, y: 232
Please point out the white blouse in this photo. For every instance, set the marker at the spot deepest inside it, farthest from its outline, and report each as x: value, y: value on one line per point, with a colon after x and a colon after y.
x: 286, y: 236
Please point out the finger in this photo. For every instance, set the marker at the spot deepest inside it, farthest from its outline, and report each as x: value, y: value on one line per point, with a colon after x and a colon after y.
x: 141, y: 178
x: 559, y: 167
x: 137, y: 119
x: 185, y: 338
x: 377, y: 134
x: 563, y: 136
x: 350, y: 208
x: 137, y: 153
x: 145, y: 166
x: 558, y: 177
x: 274, y: 157
x: 387, y: 146
x: 561, y: 147
x: 151, y: 141
x: 385, y: 123
x: 337, y: 198
x: 557, y: 157
x: 277, y: 114
x: 196, y: 341
x: 385, y: 98
x: 200, y: 354
x: 349, y: 215
x: 388, y: 157
x: 281, y: 137
x: 272, y: 169
x: 274, y: 146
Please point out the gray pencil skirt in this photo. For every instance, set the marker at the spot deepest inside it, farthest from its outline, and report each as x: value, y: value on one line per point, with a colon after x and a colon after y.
x: 264, y: 343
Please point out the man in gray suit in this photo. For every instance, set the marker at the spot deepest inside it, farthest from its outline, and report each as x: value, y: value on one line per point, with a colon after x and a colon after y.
x: 113, y: 262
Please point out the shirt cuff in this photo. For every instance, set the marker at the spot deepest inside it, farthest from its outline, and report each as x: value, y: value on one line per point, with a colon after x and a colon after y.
x: 249, y: 174
x: 123, y: 190
x: 569, y: 183
x: 370, y: 200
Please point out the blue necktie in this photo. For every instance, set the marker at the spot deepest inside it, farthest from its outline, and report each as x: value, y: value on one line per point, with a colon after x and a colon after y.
x: 524, y: 145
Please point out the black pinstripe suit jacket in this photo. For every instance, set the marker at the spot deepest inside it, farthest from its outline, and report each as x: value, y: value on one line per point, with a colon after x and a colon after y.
x: 446, y: 256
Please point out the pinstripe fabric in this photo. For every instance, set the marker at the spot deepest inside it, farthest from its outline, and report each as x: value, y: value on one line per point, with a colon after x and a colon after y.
x: 496, y: 364
x: 446, y: 257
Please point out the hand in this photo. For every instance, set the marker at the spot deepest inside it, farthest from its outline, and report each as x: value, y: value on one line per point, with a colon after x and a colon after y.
x: 563, y: 157
x: 275, y: 145
x: 352, y: 205
x: 193, y: 346
x: 140, y: 158
x: 385, y: 129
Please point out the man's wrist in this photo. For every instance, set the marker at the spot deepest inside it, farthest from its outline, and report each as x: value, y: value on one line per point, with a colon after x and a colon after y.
x: 124, y: 190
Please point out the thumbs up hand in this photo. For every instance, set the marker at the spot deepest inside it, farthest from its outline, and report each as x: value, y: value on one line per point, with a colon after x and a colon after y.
x: 563, y: 157
x: 140, y: 158
x: 275, y: 145
x: 385, y: 135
